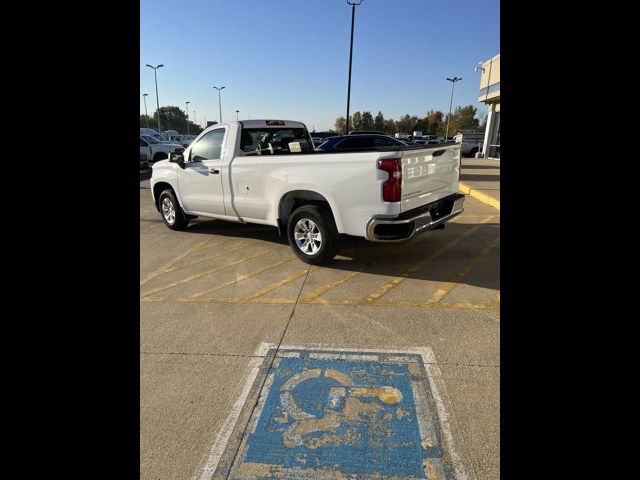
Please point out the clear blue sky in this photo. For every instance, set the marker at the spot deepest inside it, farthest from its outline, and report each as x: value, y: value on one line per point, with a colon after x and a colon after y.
x: 289, y: 59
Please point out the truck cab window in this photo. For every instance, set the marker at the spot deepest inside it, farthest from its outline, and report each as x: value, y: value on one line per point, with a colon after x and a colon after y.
x: 208, y: 147
x: 275, y: 141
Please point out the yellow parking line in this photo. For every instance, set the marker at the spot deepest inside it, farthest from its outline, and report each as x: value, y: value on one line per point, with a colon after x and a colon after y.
x: 206, y: 272
x: 446, y: 287
x: 333, y: 284
x: 394, y: 304
x: 204, y: 259
x: 162, y: 269
x: 384, y: 289
x: 278, y: 284
x: 243, y: 277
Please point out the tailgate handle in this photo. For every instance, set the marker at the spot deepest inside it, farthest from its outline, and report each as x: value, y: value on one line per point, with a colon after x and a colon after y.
x: 437, y: 153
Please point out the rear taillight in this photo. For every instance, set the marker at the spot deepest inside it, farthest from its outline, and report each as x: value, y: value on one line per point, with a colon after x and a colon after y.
x: 392, y: 188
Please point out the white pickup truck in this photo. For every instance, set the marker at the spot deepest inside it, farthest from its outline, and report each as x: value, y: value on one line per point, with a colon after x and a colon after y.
x: 267, y: 172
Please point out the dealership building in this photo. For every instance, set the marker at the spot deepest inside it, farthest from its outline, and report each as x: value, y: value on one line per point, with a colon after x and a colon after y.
x: 490, y: 95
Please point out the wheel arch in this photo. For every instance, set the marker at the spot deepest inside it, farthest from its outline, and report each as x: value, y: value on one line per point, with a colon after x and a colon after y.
x: 293, y: 199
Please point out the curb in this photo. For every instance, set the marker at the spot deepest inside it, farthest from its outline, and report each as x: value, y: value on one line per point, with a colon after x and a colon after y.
x: 478, y: 195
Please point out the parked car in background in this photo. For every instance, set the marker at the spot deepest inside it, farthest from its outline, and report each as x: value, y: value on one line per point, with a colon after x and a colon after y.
x: 350, y: 142
x: 366, y: 132
x: 159, y: 150
x: 152, y: 133
x: 144, y: 161
x: 317, y: 141
x: 187, y: 139
x: 145, y: 149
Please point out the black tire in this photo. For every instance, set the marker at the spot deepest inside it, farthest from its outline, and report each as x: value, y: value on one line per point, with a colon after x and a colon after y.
x: 473, y: 152
x: 322, y: 220
x: 168, y: 203
x: 159, y: 156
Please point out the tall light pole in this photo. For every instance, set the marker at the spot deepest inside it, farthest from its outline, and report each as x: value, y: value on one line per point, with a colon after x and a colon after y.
x: 237, y: 111
x: 219, y: 100
x: 187, y: 104
x: 353, y: 4
x: 453, y: 84
x: 144, y: 97
x: 155, y: 74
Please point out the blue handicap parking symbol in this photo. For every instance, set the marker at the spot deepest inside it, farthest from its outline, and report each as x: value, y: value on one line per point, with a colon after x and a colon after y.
x: 330, y: 414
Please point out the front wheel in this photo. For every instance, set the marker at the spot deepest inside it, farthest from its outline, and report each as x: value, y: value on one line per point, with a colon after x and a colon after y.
x: 171, y: 212
x: 313, y: 235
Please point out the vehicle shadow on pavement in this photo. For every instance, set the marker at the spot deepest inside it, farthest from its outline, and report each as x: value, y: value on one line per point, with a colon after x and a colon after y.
x: 411, y: 259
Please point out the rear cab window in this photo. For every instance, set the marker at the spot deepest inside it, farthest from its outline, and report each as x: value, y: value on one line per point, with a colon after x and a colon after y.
x: 275, y: 141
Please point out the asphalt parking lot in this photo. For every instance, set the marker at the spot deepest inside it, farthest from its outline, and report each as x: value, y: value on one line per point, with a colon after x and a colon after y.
x: 217, y: 298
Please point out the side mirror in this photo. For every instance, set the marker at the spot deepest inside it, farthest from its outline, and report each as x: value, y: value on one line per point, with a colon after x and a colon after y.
x: 177, y: 158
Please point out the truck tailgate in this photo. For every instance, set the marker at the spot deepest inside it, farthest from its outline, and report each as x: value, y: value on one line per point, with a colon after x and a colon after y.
x: 429, y: 174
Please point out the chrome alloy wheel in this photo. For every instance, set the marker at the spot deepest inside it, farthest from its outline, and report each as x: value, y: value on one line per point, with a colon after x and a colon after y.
x: 168, y: 210
x: 307, y: 236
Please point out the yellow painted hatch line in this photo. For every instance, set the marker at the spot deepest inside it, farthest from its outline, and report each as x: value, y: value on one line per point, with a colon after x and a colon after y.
x: 394, y: 282
x: 244, y: 276
x: 162, y: 269
x: 380, y: 303
x: 284, y: 281
x: 331, y: 285
x: 446, y: 287
x: 206, y: 272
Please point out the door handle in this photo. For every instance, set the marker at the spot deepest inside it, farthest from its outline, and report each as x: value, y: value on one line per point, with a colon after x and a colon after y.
x: 214, y: 170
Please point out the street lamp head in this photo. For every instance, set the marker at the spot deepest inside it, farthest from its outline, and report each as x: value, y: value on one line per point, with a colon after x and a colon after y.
x: 145, y: 94
x: 188, y: 102
x: 161, y: 65
x: 354, y: 2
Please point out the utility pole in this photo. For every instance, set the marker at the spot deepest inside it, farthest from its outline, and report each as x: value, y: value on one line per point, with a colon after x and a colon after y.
x: 155, y: 74
x: 453, y: 84
x: 219, y: 100
x: 353, y: 17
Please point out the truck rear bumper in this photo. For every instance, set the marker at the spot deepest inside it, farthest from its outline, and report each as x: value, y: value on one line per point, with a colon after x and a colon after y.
x: 406, y: 225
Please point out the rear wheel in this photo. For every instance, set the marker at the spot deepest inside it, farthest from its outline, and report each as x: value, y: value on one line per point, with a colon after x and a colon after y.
x: 171, y: 212
x: 313, y: 235
x: 473, y: 152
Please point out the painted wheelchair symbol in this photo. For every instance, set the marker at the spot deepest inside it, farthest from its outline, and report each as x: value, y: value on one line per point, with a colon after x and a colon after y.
x: 343, y: 406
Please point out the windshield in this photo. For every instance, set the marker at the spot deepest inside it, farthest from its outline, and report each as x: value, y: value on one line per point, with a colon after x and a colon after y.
x: 270, y: 141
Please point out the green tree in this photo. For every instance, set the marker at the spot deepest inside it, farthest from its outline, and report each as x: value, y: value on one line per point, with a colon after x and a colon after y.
x: 173, y: 118
x: 378, y: 122
x: 434, y: 122
x: 340, y: 125
x: 390, y: 127
x: 153, y: 123
x: 367, y: 121
x: 464, y: 118
x: 356, y: 121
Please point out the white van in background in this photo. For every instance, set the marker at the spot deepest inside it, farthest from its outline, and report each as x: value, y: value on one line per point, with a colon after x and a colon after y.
x: 471, y: 141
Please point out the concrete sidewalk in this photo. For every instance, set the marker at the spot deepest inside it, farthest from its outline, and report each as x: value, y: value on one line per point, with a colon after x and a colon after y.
x: 480, y: 178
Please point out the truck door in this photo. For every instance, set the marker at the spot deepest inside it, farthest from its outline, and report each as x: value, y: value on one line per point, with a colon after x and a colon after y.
x: 200, y: 181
